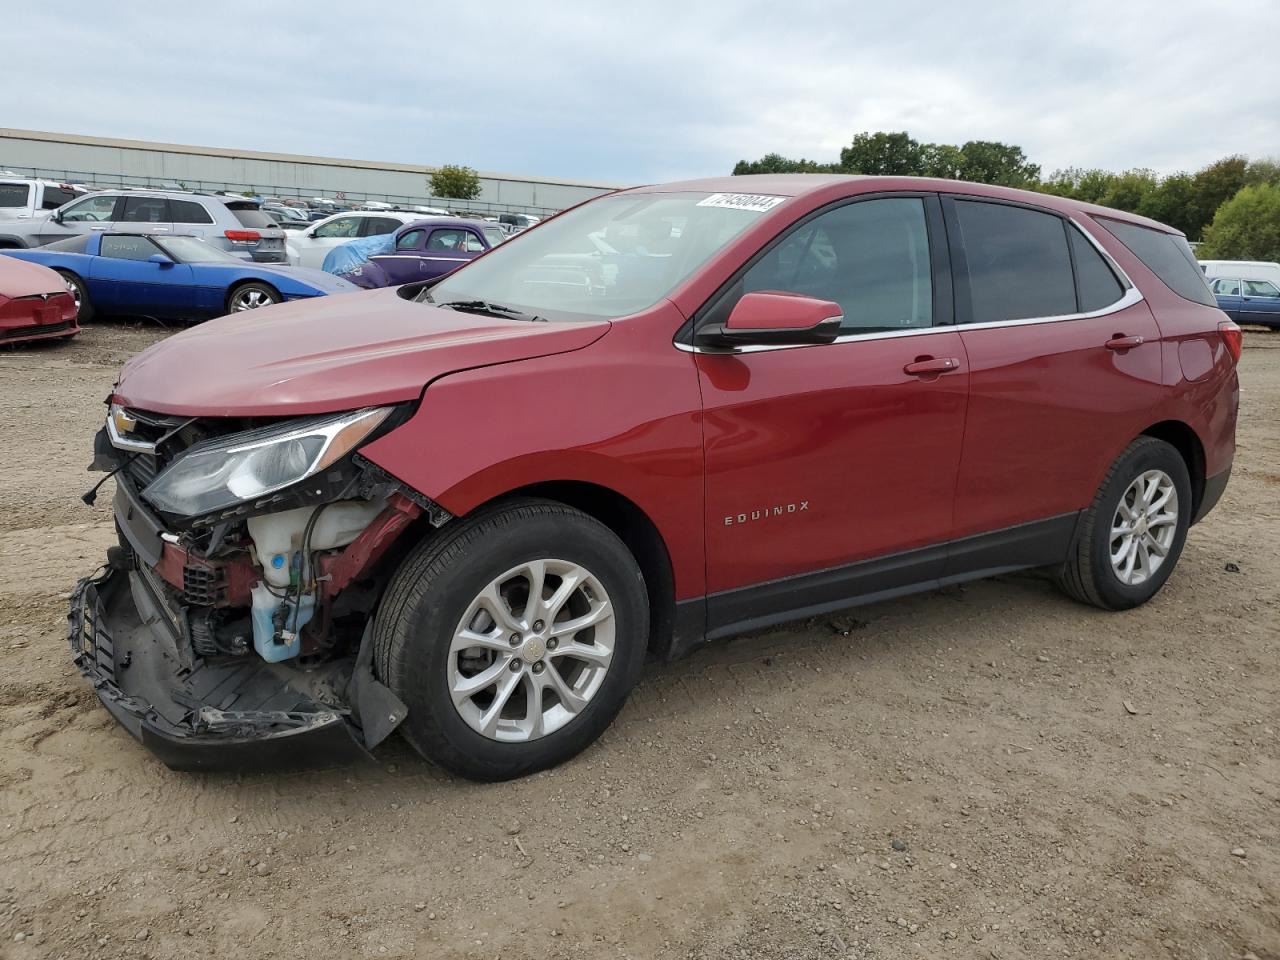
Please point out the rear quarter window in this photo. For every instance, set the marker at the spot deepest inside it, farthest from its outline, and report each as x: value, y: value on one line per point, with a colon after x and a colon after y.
x: 188, y: 211
x: 1167, y: 256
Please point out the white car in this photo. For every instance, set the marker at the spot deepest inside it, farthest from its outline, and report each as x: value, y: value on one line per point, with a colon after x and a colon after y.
x: 308, y: 248
x: 1267, y: 270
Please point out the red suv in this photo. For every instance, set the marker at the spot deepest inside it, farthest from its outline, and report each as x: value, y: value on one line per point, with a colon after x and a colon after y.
x: 469, y: 508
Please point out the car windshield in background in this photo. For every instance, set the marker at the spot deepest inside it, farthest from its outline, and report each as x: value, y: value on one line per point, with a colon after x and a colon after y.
x: 607, y: 258
x: 250, y: 216
x: 14, y: 194
x: 193, y: 250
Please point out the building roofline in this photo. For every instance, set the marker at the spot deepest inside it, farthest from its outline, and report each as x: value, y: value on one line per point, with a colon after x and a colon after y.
x: 117, y: 143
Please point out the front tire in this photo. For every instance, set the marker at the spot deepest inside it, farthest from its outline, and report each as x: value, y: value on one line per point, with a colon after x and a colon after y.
x: 1131, y: 536
x: 514, y: 636
x: 251, y: 296
x: 80, y: 293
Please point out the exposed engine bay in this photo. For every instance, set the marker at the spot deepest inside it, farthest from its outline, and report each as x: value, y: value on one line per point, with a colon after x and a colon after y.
x: 251, y: 560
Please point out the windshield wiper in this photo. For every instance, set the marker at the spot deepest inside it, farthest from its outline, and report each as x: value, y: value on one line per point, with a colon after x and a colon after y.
x: 492, y: 309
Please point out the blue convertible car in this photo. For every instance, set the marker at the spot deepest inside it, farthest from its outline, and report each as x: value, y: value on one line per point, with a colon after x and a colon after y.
x: 171, y: 277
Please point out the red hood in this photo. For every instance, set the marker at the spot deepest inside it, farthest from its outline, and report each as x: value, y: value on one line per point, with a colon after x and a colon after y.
x: 329, y: 354
x: 18, y: 278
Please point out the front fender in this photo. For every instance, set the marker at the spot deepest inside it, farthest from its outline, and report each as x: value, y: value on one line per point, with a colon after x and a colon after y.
x: 623, y: 413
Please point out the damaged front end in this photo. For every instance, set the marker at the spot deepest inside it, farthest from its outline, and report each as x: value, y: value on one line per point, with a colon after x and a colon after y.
x: 231, y: 626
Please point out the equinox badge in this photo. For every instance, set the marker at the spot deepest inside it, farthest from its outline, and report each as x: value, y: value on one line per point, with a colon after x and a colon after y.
x: 777, y: 510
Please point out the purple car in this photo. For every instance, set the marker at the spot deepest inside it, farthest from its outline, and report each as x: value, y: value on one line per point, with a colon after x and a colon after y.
x: 423, y: 250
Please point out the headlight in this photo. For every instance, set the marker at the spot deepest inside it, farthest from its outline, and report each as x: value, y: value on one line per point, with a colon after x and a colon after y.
x: 222, y: 473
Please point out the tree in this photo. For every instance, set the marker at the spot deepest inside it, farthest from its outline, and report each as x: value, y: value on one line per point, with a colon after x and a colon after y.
x: 1174, y: 202
x: 986, y: 161
x: 455, y: 183
x: 883, y: 154
x: 1246, y: 227
x: 776, y: 163
x: 941, y: 160
x: 1216, y: 184
x: 1128, y: 190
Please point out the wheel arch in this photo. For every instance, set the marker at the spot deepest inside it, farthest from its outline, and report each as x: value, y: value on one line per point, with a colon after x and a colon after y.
x: 636, y: 530
x: 1180, y: 435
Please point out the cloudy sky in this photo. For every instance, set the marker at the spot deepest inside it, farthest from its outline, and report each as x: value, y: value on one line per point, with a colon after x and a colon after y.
x: 653, y: 90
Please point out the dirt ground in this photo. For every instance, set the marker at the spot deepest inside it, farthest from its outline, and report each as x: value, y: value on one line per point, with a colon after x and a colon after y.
x: 954, y: 775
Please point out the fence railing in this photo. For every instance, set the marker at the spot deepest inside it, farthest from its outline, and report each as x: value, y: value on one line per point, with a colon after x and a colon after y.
x: 345, y: 198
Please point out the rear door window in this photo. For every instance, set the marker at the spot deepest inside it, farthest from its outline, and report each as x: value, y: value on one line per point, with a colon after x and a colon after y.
x: 1167, y: 256
x: 378, y: 226
x: 448, y: 241
x: 188, y: 211
x: 1226, y: 288
x: 341, y: 228
x: 1018, y: 262
x: 145, y: 210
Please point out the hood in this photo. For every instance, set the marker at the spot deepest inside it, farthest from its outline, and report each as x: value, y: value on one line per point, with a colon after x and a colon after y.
x: 21, y: 278
x: 329, y: 354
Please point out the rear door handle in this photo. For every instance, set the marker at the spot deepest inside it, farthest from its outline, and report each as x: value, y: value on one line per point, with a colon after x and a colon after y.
x: 931, y: 366
x: 1121, y: 342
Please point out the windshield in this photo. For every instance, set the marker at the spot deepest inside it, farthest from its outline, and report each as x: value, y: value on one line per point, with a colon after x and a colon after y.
x: 608, y: 258
x: 193, y: 250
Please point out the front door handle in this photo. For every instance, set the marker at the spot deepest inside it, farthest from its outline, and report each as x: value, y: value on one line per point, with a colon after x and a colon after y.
x: 931, y: 366
x: 1121, y: 342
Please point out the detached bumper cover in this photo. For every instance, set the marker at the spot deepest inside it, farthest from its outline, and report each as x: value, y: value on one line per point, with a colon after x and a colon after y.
x: 237, y: 715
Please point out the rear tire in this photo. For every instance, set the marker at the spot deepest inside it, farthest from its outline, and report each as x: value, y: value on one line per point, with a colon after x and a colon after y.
x: 1131, y: 536
x: 553, y: 686
x: 251, y: 296
x: 84, y: 307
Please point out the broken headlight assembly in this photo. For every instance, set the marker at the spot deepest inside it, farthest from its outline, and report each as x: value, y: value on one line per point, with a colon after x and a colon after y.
x: 231, y: 470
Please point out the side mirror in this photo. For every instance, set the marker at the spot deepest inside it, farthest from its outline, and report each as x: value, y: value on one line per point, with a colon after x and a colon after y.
x: 161, y: 259
x: 774, y: 318
x: 56, y: 216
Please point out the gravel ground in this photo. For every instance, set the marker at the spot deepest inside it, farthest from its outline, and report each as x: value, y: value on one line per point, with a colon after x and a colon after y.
x: 989, y: 771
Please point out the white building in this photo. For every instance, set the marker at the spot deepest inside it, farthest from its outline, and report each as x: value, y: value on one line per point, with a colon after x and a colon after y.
x: 104, y: 161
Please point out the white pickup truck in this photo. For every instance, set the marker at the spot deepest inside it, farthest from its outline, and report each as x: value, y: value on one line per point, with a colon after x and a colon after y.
x: 21, y: 199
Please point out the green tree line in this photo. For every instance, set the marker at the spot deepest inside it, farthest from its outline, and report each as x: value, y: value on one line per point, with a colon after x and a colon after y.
x: 1232, y: 205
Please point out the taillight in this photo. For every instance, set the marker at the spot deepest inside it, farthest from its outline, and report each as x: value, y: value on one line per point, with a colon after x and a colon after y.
x: 243, y: 236
x: 1233, y: 338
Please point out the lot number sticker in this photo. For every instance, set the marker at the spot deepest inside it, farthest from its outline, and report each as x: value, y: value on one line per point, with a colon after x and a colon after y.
x: 755, y: 202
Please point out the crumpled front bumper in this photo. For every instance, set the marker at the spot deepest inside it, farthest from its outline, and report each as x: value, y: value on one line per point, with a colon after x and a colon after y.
x: 238, y: 714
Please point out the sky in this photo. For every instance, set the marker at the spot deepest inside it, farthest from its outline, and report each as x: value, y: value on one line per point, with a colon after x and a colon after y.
x: 649, y: 91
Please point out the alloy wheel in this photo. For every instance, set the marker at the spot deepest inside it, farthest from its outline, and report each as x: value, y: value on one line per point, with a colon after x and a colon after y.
x: 250, y: 300
x: 1144, y: 527
x: 531, y: 650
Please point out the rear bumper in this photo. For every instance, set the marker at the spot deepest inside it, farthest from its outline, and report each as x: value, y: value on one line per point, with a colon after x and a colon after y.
x: 235, y: 715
